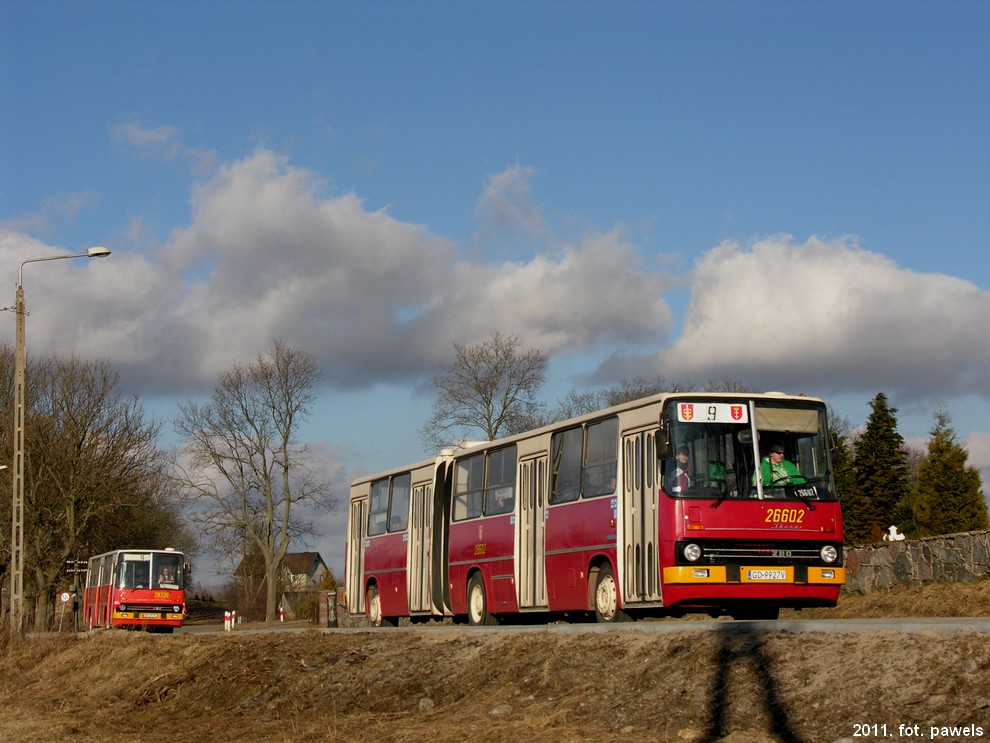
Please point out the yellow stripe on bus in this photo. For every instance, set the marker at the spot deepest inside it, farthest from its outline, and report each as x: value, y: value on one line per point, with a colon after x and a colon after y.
x: 752, y: 574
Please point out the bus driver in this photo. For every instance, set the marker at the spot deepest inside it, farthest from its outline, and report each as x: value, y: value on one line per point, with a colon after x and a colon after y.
x: 776, y: 471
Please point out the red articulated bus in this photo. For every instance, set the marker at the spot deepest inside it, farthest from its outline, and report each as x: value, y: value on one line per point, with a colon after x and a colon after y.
x: 136, y: 589
x: 720, y: 503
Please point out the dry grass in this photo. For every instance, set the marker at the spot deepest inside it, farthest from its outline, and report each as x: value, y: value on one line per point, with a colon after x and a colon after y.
x: 467, y: 687
x: 928, y: 600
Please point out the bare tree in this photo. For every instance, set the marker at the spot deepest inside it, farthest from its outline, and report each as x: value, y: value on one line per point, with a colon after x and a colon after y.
x: 576, y: 403
x: 633, y: 389
x: 726, y: 384
x: 243, y: 469
x: 490, y: 388
x: 94, y: 477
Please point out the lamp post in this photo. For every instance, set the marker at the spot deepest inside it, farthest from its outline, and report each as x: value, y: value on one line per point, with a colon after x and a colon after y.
x: 17, y: 516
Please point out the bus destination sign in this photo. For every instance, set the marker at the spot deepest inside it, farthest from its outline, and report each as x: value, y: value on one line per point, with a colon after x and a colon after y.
x: 712, y: 412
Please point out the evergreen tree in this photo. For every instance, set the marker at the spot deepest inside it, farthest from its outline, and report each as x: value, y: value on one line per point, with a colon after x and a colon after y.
x: 904, y: 515
x: 880, y: 476
x: 948, y: 497
x: 839, y: 430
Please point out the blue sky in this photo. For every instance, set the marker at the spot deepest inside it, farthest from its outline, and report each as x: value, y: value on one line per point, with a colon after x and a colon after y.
x: 794, y: 195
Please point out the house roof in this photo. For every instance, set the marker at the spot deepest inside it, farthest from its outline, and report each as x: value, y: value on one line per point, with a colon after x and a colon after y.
x: 300, y: 563
x: 296, y: 563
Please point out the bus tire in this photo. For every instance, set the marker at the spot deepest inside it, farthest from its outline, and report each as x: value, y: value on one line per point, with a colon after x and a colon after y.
x: 477, y: 603
x: 374, y: 609
x: 607, y: 597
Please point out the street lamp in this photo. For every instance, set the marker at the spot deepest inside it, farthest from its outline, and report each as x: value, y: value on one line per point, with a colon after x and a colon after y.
x: 17, y: 517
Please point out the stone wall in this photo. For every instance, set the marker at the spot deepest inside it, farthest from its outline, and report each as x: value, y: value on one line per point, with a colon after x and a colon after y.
x: 951, y: 557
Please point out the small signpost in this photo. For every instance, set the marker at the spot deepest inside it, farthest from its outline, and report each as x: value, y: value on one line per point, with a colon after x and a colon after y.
x: 77, y: 569
x: 66, y: 598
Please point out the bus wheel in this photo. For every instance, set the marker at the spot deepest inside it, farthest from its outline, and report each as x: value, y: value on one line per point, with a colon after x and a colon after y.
x: 374, y: 610
x: 477, y: 603
x: 607, y: 597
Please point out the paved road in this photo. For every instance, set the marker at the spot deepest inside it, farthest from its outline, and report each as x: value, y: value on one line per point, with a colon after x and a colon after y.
x: 940, y: 625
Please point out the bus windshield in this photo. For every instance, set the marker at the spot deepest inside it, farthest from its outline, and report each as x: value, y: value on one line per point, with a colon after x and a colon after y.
x: 747, y: 449
x: 149, y: 570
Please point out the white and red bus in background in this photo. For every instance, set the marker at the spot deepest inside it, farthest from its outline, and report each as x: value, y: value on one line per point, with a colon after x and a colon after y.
x: 657, y: 507
x: 136, y: 589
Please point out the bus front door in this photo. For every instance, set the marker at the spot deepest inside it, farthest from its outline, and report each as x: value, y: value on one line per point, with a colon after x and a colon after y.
x: 355, y: 557
x: 530, y: 535
x: 638, y: 561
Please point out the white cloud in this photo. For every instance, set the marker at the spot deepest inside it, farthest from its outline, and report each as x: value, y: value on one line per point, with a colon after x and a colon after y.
x: 161, y: 142
x: 978, y: 446
x: 60, y: 208
x: 596, y: 293
x: 830, y: 315
x: 136, y: 135
x: 506, y: 208
x: 77, y: 306
x: 268, y: 254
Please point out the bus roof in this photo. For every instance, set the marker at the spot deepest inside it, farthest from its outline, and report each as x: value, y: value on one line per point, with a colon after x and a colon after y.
x: 659, y: 398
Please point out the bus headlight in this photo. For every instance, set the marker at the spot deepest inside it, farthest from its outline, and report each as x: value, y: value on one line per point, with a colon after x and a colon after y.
x: 829, y: 553
x: 692, y: 552
x: 176, y: 609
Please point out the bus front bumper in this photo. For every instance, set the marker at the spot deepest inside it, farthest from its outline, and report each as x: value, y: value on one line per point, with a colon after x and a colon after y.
x: 146, y: 616
x: 762, y: 574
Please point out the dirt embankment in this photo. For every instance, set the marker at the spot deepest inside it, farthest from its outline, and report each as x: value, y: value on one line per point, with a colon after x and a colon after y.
x: 445, y: 684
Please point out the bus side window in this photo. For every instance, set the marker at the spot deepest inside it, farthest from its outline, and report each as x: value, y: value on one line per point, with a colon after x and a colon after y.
x: 378, y: 508
x: 500, y: 481
x: 376, y: 523
x: 469, y: 487
x: 500, y: 500
x: 601, y: 460
x: 399, y: 508
x: 566, y: 449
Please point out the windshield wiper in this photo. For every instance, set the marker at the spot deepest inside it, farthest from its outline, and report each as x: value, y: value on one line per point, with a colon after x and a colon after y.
x: 721, y: 498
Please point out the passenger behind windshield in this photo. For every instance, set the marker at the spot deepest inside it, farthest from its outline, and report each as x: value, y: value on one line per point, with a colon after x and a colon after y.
x: 698, y: 469
x: 680, y: 479
x: 168, y: 572
x: 167, y: 579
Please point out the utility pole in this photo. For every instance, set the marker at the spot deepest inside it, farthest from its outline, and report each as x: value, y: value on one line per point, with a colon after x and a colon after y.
x: 17, y: 502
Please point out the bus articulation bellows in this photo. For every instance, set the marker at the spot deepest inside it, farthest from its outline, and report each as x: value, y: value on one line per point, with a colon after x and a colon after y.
x: 136, y: 589
x: 719, y: 503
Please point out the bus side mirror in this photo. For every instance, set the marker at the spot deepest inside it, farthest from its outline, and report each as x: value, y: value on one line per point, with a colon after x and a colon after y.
x: 664, y: 448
